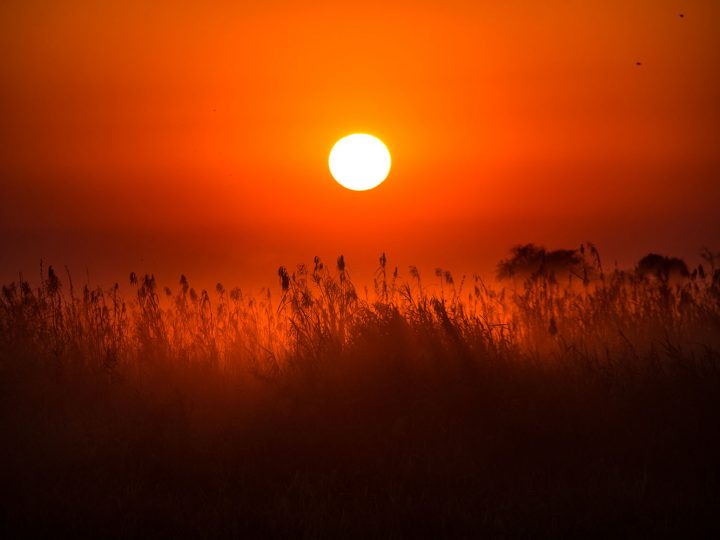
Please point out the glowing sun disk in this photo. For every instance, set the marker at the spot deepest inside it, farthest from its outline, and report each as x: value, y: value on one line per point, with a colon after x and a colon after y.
x: 359, y: 162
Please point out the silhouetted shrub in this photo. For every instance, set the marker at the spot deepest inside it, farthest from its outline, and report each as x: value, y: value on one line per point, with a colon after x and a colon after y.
x: 662, y: 267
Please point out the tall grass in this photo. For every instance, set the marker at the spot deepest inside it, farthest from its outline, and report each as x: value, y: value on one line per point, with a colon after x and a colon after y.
x: 563, y: 401
x: 320, y: 312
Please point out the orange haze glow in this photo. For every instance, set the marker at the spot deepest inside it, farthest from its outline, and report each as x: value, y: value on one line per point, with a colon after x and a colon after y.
x: 193, y: 137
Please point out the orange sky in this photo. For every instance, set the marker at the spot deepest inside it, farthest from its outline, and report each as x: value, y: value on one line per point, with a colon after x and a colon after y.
x: 193, y: 136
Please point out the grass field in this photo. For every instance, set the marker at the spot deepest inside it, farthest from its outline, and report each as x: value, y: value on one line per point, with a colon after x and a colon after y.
x: 565, y: 400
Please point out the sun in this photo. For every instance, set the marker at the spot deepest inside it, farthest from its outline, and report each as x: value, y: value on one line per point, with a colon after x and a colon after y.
x: 359, y: 162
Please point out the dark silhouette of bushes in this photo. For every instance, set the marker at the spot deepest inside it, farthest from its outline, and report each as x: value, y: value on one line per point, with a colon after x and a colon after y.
x: 531, y: 261
x: 662, y: 267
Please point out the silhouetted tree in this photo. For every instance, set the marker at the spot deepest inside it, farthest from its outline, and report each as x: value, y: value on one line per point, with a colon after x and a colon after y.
x: 662, y: 267
x: 530, y: 261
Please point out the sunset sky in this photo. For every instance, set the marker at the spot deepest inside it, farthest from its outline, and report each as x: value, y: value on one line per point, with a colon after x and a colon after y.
x: 193, y: 137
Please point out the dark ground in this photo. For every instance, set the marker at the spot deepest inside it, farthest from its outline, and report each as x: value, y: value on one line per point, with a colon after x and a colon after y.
x: 387, y: 451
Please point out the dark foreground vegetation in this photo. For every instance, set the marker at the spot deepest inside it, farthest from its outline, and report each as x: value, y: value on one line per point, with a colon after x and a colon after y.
x: 566, y: 401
